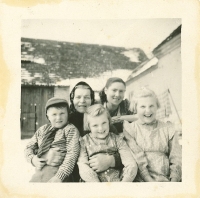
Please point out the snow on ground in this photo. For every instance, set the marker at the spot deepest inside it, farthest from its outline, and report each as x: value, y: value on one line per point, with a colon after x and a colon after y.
x: 26, y: 168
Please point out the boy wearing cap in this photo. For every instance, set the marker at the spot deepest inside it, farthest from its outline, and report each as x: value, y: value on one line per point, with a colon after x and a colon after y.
x: 59, y: 135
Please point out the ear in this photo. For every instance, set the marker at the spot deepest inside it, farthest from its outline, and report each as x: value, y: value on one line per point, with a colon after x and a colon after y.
x: 105, y: 90
x: 47, y: 117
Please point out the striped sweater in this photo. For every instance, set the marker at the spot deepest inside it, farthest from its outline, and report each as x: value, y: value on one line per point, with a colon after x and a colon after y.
x: 66, y: 139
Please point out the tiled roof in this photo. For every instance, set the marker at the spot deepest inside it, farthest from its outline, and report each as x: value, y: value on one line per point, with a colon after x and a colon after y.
x: 37, y: 74
x: 48, y: 62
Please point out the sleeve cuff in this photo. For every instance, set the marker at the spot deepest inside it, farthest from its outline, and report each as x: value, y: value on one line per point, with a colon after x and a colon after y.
x: 29, y: 159
x: 61, y: 175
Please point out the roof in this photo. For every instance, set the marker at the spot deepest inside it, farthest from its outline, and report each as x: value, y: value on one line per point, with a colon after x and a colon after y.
x: 152, y: 62
x: 38, y: 74
x: 169, y: 38
x: 49, y: 62
x: 158, y: 52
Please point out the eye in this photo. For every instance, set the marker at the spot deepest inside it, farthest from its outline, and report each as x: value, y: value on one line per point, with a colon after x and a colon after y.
x: 87, y: 97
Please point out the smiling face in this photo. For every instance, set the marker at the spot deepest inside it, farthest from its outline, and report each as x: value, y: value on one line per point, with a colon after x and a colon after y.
x: 82, y: 99
x: 57, y: 116
x: 99, y: 125
x: 115, y: 93
x: 146, y: 109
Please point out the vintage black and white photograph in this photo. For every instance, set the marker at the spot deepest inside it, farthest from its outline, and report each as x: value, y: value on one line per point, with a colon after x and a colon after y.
x: 101, y: 100
x: 96, y: 93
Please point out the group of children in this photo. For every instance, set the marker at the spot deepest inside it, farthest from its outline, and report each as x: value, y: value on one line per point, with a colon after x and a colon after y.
x: 148, y: 148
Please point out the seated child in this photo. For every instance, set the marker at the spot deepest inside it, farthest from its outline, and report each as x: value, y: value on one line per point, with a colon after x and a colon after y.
x: 154, y: 144
x: 100, y: 140
x: 58, y: 134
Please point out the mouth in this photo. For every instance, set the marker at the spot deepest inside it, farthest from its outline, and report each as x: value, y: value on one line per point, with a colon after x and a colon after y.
x: 82, y: 106
x: 58, y: 122
x: 101, y: 132
x: 116, y: 99
x: 148, y: 115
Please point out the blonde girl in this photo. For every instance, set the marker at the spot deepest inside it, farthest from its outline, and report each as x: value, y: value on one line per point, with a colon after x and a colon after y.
x: 101, y: 140
x: 154, y: 144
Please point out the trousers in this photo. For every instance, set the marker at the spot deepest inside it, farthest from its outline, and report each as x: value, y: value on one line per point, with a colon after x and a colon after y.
x: 46, y: 173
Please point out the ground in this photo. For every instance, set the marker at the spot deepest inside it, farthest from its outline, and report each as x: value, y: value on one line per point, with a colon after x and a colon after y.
x: 27, y: 170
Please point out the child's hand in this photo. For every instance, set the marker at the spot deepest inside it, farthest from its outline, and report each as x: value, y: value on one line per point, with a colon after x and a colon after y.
x: 54, y: 157
x: 38, y: 162
x: 101, y: 162
x: 54, y: 180
x: 116, y: 119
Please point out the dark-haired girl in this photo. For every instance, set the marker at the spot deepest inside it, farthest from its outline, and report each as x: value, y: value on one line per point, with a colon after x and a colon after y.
x: 112, y: 97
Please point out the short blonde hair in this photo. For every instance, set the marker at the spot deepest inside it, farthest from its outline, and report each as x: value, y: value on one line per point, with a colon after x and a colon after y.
x: 143, y: 92
x: 95, y: 111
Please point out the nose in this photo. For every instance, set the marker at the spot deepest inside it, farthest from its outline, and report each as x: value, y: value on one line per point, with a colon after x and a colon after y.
x: 82, y: 99
x: 100, y: 128
x: 58, y: 116
x: 147, y: 109
x: 117, y: 93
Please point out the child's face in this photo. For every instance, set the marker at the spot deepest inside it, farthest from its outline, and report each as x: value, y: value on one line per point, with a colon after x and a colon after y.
x: 99, y: 126
x: 57, y: 116
x: 146, y: 109
x: 82, y: 99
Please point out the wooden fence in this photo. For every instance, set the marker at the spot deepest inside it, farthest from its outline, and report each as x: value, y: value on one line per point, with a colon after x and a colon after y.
x: 33, y: 100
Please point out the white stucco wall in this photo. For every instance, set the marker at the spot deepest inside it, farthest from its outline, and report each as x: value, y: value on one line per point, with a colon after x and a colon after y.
x: 62, y: 92
x: 166, y: 75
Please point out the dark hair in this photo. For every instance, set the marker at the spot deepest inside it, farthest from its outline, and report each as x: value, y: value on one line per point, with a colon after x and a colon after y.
x: 109, y: 82
x: 72, y: 108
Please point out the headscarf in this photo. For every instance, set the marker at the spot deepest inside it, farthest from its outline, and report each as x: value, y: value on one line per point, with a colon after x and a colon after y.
x: 78, y: 85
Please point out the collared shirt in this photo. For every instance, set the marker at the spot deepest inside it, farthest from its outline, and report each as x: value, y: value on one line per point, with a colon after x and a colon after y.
x: 66, y: 139
x: 156, y: 149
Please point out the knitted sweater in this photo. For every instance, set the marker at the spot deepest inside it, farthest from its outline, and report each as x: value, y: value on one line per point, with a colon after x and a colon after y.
x: 66, y: 139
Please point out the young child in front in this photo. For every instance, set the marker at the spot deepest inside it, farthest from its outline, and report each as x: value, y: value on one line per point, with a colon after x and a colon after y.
x: 154, y: 144
x: 100, y: 140
x: 59, y: 135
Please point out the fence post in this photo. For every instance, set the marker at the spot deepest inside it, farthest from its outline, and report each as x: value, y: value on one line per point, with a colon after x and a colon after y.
x: 35, y: 117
